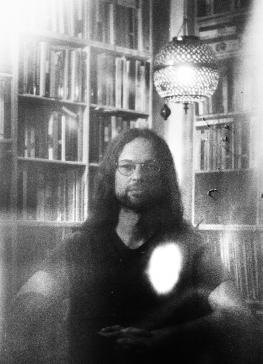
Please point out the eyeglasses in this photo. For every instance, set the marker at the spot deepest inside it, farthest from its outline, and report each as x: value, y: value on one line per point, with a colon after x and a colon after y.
x: 127, y: 167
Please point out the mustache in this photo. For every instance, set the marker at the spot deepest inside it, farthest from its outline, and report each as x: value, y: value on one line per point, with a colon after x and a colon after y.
x: 136, y: 186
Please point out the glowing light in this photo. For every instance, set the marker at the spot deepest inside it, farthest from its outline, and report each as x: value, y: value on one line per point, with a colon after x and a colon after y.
x: 185, y: 70
x: 185, y: 75
x: 164, y: 267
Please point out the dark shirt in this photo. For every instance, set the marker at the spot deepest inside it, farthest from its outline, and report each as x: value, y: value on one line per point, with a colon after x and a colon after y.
x: 109, y: 284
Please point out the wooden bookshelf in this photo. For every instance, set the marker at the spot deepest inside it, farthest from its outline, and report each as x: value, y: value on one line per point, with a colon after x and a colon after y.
x: 227, y: 189
x: 221, y: 8
x: 241, y: 253
x: 79, y: 76
x: 120, y: 61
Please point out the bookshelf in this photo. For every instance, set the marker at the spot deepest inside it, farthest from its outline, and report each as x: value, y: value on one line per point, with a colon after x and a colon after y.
x: 79, y: 76
x: 120, y: 78
x: 227, y: 198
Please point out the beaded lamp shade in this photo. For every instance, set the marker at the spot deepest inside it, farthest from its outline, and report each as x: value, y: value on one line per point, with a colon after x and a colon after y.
x: 185, y: 70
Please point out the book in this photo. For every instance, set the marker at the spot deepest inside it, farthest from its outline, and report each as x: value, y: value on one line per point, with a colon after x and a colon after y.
x: 217, y: 31
x: 221, y: 6
x: 31, y: 193
x: 78, y: 198
x: 70, y: 199
x: 126, y: 82
x: 71, y: 125
x: 119, y: 63
x: 204, y: 7
x: 49, y: 197
x: 101, y: 72
x: 217, y: 102
x: 54, y: 136
x: 104, y: 128
x: 43, y: 69
x: 102, y: 21
x: 53, y: 71
x: 126, y: 32
x: 5, y: 108
x: 40, y: 194
x: 143, y: 17
x: 226, y: 48
x: 204, y: 150
x: 227, y: 146
x: 29, y: 138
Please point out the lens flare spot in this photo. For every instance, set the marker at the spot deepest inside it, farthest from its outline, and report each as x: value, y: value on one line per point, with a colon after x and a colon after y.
x: 164, y: 267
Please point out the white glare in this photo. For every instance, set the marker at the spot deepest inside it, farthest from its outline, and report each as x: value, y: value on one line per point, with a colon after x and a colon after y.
x: 164, y: 267
x: 185, y: 75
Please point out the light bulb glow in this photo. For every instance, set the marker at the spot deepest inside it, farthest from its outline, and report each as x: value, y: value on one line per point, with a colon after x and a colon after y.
x: 164, y: 267
x: 185, y: 75
x: 185, y: 70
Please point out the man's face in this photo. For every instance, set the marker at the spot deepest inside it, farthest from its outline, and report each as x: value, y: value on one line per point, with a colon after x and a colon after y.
x: 137, y: 178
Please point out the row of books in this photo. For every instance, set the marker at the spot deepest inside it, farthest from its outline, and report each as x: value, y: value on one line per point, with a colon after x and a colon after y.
x: 5, y: 108
x: 226, y: 48
x: 242, y: 257
x: 127, y: 25
x: 105, y: 127
x: 120, y: 82
x: 117, y: 22
x: 217, y: 31
x: 49, y: 134
x: 102, y: 21
x: 50, y: 194
x: 223, y: 145
x: 210, y: 7
x: 124, y: 23
x: 53, y: 71
x: 6, y: 174
x: 235, y: 92
x: 65, y: 17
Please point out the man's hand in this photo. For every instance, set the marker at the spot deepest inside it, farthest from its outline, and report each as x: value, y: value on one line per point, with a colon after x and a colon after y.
x: 133, y: 338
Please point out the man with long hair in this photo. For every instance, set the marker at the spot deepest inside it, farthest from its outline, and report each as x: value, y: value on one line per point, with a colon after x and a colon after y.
x: 140, y: 284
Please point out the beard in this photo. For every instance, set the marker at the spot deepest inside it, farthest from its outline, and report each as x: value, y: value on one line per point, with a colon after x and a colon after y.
x: 155, y: 211
x: 141, y: 202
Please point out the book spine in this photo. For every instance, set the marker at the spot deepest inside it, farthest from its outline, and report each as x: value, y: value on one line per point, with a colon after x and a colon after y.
x: 40, y: 210
x: 2, y: 109
x: 118, y: 81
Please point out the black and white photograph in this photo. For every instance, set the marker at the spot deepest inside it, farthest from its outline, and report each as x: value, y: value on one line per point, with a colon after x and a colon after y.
x: 131, y: 182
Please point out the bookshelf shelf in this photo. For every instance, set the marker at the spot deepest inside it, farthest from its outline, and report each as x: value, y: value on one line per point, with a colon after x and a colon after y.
x: 5, y: 75
x: 239, y: 170
x: 36, y: 223
x: 55, y: 38
x: 221, y: 227
x: 53, y: 100
x: 122, y: 51
x: 216, y: 118
x: 111, y: 110
x: 54, y: 162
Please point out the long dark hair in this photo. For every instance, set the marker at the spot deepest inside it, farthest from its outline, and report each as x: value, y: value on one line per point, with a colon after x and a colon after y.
x: 105, y: 207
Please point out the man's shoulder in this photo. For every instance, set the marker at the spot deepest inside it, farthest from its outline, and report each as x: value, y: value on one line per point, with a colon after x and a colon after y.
x: 87, y: 237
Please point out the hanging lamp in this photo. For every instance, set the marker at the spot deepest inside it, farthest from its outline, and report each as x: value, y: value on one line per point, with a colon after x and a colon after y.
x: 185, y: 70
